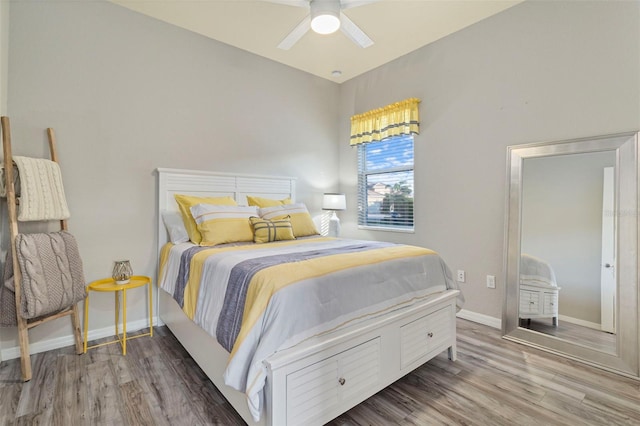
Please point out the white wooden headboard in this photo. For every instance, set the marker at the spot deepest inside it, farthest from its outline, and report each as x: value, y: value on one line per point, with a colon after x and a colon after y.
x: 213, y: 184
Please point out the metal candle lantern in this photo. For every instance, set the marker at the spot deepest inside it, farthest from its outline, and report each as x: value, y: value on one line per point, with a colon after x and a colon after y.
x: 122, y: 271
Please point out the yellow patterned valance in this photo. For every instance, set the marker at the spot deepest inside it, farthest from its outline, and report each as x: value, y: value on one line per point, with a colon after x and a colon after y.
x: 400, y: 118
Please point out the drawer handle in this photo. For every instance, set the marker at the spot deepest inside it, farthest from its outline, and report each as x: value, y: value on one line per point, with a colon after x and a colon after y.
x: 532, y: 303
x: 342, y: 381
x: 430, y: 334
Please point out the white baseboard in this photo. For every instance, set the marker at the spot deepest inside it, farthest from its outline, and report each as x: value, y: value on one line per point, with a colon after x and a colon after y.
x: 480, y: 318
x: 61, y: 342
x: 578, y: 321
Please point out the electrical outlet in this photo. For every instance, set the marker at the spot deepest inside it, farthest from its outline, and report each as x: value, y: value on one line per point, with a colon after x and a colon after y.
x: 491, y: 281
x: 460, y: 276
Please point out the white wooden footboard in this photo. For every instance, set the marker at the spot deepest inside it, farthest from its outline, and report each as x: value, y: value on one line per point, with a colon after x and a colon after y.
x: 321, y: 378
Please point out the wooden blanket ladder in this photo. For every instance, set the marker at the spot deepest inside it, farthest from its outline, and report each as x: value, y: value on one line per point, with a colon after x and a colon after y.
x: 12, y: 202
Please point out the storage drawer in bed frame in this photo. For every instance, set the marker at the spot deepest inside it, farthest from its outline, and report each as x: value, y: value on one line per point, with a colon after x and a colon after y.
x: 328, y: 384
x: 425, y: 337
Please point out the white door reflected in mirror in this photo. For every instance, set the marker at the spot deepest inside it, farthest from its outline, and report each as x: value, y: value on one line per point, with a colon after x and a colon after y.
x: 608, y: 270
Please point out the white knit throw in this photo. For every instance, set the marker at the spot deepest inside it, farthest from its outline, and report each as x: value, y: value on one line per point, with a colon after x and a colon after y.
x: 42, y: 194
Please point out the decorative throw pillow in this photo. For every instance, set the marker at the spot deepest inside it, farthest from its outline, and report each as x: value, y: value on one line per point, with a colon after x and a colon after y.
x: 266, y: 202
x: 219, y: 224
x: 175, y: 227
x: 185, y: 202
x: 267, y: 231
x: 300, y: 218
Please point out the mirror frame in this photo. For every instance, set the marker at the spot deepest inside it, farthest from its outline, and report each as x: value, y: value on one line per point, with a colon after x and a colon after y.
x: 626, y: 359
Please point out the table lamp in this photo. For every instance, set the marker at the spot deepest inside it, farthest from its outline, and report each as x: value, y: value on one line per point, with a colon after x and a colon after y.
x: 334, y: 202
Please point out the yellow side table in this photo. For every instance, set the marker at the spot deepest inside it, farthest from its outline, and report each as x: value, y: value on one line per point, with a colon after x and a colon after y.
x: 109, y: 284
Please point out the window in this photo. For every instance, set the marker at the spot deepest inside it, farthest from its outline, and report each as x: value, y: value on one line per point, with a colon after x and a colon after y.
x: 385, y: 183
x: 384, y: 138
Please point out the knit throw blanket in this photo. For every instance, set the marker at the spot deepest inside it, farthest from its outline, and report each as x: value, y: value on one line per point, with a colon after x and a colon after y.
x: 52, y: 276
x: 41, y: 191
x: 3, y: 181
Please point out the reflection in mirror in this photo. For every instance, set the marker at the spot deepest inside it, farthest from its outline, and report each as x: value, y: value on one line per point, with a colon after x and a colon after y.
x: 566, y: 289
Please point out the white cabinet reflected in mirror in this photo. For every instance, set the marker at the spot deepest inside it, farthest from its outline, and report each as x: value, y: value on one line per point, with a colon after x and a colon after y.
x: 571, y: 255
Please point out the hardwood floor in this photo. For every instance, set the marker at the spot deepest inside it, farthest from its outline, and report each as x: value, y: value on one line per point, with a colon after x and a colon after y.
x: 494, y: 382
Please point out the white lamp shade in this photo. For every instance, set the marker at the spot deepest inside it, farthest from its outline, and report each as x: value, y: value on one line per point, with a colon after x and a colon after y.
x: 333, y: 201
x: 325, y: 16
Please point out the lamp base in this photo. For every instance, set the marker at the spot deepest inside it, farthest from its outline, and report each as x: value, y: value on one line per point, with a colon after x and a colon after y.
x: 334, y: 225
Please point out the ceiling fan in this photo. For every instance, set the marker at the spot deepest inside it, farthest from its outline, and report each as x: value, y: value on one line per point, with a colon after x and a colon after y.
x: 325, y: 17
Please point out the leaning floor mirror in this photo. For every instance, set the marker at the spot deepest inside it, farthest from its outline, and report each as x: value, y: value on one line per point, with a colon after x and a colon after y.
x: 572, y: 250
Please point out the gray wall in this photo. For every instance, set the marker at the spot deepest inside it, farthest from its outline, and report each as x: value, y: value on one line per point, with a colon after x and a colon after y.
x: 539, y: 71
x: 127, y: 94
x: 4, y: 54
x: 562, y: 224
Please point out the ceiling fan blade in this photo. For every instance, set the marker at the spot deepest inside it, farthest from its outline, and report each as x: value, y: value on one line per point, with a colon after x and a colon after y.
x: 354, y: 32
x: 296, y: 34
x: 348, y: 4
x: 298, y: 3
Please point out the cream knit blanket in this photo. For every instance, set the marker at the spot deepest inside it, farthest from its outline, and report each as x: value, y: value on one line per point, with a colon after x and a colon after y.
x: 41, y: 190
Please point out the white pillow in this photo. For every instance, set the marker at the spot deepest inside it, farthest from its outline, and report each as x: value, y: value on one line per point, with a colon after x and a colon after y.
x: 175, y: 227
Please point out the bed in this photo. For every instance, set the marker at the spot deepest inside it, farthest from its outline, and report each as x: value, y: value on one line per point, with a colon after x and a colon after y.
x: 317, y: 371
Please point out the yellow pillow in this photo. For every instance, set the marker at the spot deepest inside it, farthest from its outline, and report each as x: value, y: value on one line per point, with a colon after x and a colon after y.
x: 221, y: 224
x: 266, y: 202
x: 300, y: 218
x: 184, y: 204
x: 266, y: 231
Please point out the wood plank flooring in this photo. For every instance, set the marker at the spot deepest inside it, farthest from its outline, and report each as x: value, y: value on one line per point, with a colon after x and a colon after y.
x: 494, y: 382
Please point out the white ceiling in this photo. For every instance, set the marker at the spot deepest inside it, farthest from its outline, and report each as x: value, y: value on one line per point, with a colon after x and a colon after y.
x: 396, y: 26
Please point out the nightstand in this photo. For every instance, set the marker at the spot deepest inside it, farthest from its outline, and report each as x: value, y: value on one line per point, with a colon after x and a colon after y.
x: 109, y: 285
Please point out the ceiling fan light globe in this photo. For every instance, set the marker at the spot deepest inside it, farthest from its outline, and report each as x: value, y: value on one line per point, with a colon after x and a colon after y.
x: 325, y: 24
